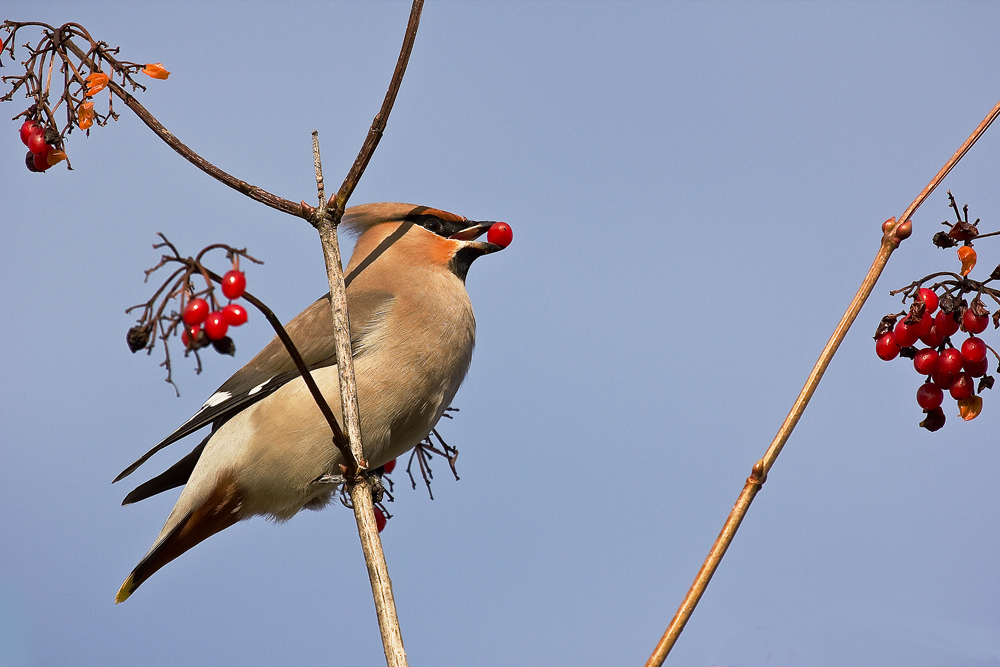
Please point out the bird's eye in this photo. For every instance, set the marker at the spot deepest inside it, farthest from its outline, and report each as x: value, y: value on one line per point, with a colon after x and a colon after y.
x: 432, y: 225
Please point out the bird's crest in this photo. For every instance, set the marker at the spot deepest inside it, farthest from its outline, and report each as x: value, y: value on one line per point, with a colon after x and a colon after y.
x: 358, y: 219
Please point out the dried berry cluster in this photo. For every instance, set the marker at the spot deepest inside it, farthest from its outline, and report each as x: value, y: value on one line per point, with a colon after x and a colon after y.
x: 177, y: 307
x: 59, y: 74
x: 952, y: 303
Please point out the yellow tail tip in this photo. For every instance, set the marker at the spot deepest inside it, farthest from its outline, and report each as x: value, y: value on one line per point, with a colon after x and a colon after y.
x: 125, y: 591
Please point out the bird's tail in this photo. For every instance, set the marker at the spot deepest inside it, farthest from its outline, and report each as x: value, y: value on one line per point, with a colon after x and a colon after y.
x: 219, y: 511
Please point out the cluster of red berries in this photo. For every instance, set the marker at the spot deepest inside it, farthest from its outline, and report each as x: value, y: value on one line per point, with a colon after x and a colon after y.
x: 204, y: 326
x: 41, y: 154
x: 946, y: 367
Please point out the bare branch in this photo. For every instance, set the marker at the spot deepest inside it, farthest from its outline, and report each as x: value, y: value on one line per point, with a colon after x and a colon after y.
x: 891, y: 238
x: 339, y: 201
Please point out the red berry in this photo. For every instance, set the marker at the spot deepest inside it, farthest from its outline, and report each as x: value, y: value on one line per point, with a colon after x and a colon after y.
x: 973, y: 350
x: 933, y: 338
x: 29, y: 162
x: 234, y: 283
x: 946, y: 323
x: 190, y: 334
x: 380, y: 519
x: 37, y: 144
x: 962, y: 386
x: 926, y: 362
x: 929, y: 298
x: 942, y: 380
x: 978, y: 369
x: 501, y: 234
x: 974, y: 324
x: 196, y: 311
x: 28, y: 129
x: 235, y: 314
x: 924, y: 325
x: 929, y: 396
x: 216, y: 326
x: 886, y: 347
x: 390, y: 466
x: 906, y: 335
x: 41, y: 160
x: 950, y: 361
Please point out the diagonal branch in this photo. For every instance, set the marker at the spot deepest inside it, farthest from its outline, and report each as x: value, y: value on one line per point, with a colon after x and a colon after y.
x: 339, y: 201
x: 252, y: 191
x: 890, y: 241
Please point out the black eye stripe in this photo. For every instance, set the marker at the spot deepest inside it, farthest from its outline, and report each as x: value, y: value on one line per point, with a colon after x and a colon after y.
x: 437, y: 225
x: 431, y: 223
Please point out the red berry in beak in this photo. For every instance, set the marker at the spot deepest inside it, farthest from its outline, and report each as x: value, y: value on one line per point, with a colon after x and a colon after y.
x: 500, y: 234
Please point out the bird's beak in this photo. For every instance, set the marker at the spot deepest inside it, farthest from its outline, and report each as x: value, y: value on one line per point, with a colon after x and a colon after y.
x: 477, y: 229
x: 474, y: 232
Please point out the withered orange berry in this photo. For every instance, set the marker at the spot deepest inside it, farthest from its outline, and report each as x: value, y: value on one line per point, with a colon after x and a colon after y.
x: 155, y: 70
x: 96, y: 82
x: 85, y: 116
x: 55, y: 157
x: 968, y: 258
x: 970, y: 408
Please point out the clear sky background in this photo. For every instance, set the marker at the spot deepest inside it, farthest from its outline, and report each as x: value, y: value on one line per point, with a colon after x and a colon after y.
x: 696, y: 191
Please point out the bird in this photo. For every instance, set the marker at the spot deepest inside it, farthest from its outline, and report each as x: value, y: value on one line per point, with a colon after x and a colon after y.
x: 270, y: 451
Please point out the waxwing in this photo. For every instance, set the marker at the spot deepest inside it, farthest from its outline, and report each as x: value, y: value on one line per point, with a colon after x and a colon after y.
x: 270, y: 450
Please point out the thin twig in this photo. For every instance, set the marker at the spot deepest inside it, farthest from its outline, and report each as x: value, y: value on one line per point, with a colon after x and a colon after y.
x: 890, y: 241
x: 339, y: 201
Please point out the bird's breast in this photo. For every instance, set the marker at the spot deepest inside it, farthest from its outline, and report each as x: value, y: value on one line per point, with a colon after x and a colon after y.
x: 412, y: 372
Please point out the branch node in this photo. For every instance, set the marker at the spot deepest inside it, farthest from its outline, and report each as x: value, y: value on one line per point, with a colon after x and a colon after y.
x: 758, y: 475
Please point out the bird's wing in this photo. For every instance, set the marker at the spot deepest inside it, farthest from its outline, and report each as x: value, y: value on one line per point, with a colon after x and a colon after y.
x: 311, y: 331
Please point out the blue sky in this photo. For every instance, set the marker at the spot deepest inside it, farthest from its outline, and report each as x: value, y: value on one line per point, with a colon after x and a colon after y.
x: 695, y: 190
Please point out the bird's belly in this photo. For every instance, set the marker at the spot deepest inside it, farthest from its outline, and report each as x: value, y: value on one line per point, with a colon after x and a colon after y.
x: 398, y: 411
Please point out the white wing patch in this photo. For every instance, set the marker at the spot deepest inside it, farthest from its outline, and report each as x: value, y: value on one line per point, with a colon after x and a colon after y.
x: 258, y: 387
x: 216, y: 398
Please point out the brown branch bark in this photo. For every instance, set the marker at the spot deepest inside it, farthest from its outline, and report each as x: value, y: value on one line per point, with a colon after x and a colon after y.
x: 358, y: 485
x: 890, y: 241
